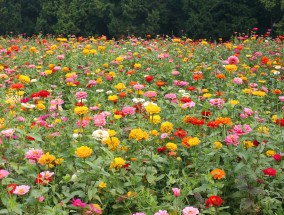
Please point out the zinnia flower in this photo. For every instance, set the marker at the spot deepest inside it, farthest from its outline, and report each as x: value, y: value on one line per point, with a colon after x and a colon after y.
x: 21, y: 190
x: 3, y: 173
x: 269, y: 172
x: 83, y: 152
x: 217, y: 173
x: 214, y: 201
x: 190, y: 211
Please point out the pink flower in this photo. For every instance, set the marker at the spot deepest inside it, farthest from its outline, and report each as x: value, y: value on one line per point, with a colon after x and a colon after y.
x: 139, y: 213
x: 93, y: 210
x: 21, y: 190
x: 3, y: 173
x: 162, y: 212
x: 188, y: 105
x: 248, y: 111
x: 170, y: 96
x: 91, y: 83
x: 99, y: 120
x: 176, y: 192
x: 281, y: 98
x: 277, y: 157
x: 61, y: 57
x: 164, y: 135
x: 78, y: 203
x: 41, y: 199
x: 241, y: 130
x: 238, y: 81
x: 8, y: 132
x: 82, y: 123
x: 20, y: 119
x: 216, y: 102
x: 34, y: 154
x: 233, y: 60
x: 138, y: 87
x: 175, y: 73
x: 232, y: 139
x: 81, y: 95
x: 190, y: 211
x: 128, y: 110
x: 150, y: 94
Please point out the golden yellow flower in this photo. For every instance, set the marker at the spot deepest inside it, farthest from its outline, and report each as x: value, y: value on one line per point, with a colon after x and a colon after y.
x: 218, y: 173
x: 46, y: 159
x: 231, y: 68
x: 48, y: 72
x: 274, y: 118
x: 193, y: 141
x: 154, y: 133
x: 120, y: 86
x: 111, y: 133
x: 153, y: 109
x: 112, y: 143
x: 24, y: 79
x: 81, y: 110
x: 117, y: 163
x: 207, y: 95
x: 218, y: 145
x: 119, y: 59
x: 40, y: 106
x: 263, y: 130
x: 171, y: 146
x: 33, y: 49
x: 166, y: 127
x: 234, y: 102
x: 248, y: 144
x: 112, y: 98
x: 102, y: 185
x: 137, y: 65
x: 155, y: 119
x: 83, y: 152
x: 270, y: 153
x: 258, y: 93
x: 138, y: 134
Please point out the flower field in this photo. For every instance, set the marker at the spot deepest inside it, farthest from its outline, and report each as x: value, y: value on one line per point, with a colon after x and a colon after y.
x: 163, y: 126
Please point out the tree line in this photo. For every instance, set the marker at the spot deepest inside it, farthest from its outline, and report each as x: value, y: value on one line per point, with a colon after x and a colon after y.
x: 115, y: 18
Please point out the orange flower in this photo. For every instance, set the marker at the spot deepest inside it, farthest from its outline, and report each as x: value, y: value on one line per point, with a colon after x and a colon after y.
x: 185, y: 140
x: 160, y: 83
x: 276, y: 92
x: 122, y: 95
x: 197, y: 76
x: 131, y: 83
x: 264, y: 60
x: 17, y: 86
x: 223, y: 121
x: 217, y: 173
x: 220, y: 76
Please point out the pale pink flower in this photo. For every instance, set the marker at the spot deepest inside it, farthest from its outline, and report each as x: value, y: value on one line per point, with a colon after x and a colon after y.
x: 164, y: 135
x: 20, y: 119
x: 175, y: 73
x: 3, y: 173
x: 61, y: 57
x: 138, y: 87
x: 190, y: 211
x: 238, y: 81
x: 150, y: 94
x: 241, y: 129
x: 99, y: 120
x: 170, y: 96
x: 34, y: 154
x: 176, y: 192
x: 56, y: 68
x: 232, y: 139
x: 8, y: 133
x: 21, y: 190
x: 82, y: 123
x: 139, y: 213
x: 128, y: 110
x: 281, y: 98
x: 81, y: 95
x: 162, y: 212
x: 216, y: 102
x: 248, y: 111
x: 188, y: 105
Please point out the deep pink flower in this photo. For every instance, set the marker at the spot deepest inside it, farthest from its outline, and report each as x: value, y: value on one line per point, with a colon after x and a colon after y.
x: 176, y: 191
x: 233, y: 60
x: 232, y: 139
x: 269, y: 172
x: 78, y: 203
x: 277, y: 157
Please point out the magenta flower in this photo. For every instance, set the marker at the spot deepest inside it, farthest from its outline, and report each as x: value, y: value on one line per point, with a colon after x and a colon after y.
x: 176, y: 192
x: 78, y: 203
x: 233, y: 60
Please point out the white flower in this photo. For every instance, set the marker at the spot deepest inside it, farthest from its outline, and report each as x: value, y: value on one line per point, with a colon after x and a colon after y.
x: 108, y: 92
x: 100, y: 90
x: 186, y: 95
x: 27, y: 105
x: 181, y: 91
x: 138, y: 100
x: 145, y: 104
x: 100, y: 135
x: 33, y: 80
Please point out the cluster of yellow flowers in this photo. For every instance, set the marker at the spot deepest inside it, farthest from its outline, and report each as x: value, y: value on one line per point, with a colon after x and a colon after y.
x: 50, y: 160
x: 166, y: 127
x: 118, y: 162
x: 138, y: 134
x: 81, y: 110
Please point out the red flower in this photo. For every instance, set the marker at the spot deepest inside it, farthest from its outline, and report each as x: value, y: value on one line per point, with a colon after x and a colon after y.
x: 33, y: 95
x: 17, y: 86
x: 11, y: 188
x: 277, y: 157
x: 196, y: 121
x: 214, y: 201
x: 206, y: 113
x: 264, y: 60
x: 212, y: 124
x: 280, y: 122
x: 43, y: 180
x: 149, y: 78
x: 269, y: 172
x: 30, y: 138
x: 191, y: 88
x: 79, y: 104
x: 161, y: 149
x: 256, y: 143
x: 43, y: 93
x: 185, y: 99
x: 180, y: 133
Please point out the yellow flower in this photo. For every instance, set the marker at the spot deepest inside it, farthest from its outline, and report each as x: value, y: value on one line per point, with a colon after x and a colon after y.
x: 258, y: 93
x: 137, y: 66
x: 117, y: 163
x: 83, y: 152
x: 33, y: 49
x: 207, y: 95
x: 48, y: 72
x: 205, y: 90
x: 46, y: 159
x: 154, y: 133
x: 193, y: 141
x: 248, y: 144
x: 58, y: 161
x: 217, y: 145
x: 112, y: 98
x: 263, y: 130
x: 247, y: 91
x: 111, y: 133
x: 152, y: 109
x: 101, y: 48
x: 24, y: 79
x: 105, y: 65
x: 119, y: 59
x: 117, y: 116
x: 155, y: 119
x: 131, y: 194
x: 112, y: 143
x: 40, y: 106
x: 234, y: 102
x: 138, y: 134
x: 231, y: 68
x: 171, y: 146
x: 274, y: 118
x: 81, y: 110
x: 166, y: 127
x: 120, y: 86
x: 102, y: 185
x: 270, y: 153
